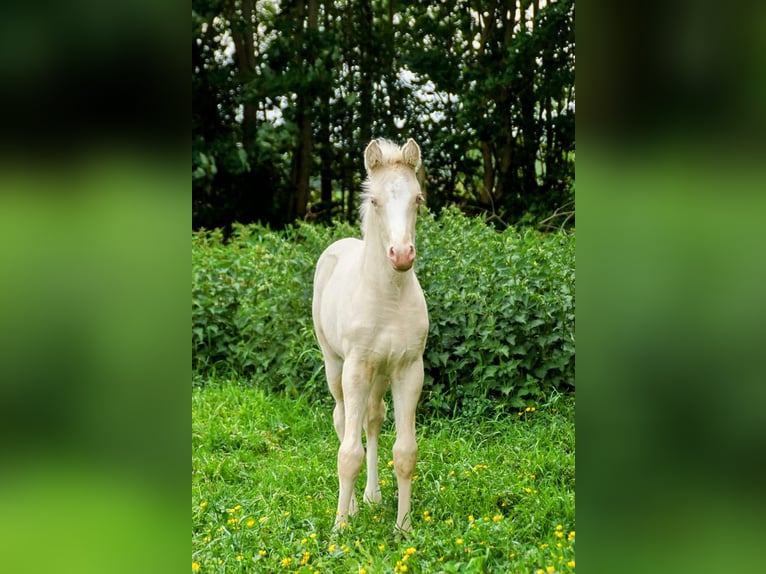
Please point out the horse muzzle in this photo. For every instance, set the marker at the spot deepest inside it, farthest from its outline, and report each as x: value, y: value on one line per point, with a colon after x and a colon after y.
x: 402, y: 256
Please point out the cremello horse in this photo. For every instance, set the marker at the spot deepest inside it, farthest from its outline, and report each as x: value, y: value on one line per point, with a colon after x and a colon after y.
x: 371, y: 322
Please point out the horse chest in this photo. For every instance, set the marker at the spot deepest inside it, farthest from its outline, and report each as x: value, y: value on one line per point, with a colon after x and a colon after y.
x: 390, y: 334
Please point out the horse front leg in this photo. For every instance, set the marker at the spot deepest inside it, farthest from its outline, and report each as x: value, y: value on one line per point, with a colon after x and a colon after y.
x: 406, y: 393
x: 356, y: 389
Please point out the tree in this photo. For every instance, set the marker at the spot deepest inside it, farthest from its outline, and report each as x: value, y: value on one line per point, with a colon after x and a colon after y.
x: 286, y: 95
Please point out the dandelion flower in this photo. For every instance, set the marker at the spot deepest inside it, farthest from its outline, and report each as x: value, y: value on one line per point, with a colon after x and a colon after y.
x: 497, y: 518
x: 262, y: 552
x: 410, y: 551
x: 459, y: 541
x: 550, y: 569
x: 239, y: 558
x: 312, y: 535
x: 195, y: 567
x: 202, y: 505
x: 571, y: 563
x: 250, y: 522
x: 331, y: 548
x: 381, y: 546
x: 305, y: 559
x: 286, y: 562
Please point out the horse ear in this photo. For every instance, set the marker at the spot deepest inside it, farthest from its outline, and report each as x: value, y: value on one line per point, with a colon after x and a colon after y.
x: 373, y: 156
x: 411, y: 154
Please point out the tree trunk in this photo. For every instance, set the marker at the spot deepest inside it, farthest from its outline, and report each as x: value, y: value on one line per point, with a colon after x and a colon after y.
x: 302, y: 156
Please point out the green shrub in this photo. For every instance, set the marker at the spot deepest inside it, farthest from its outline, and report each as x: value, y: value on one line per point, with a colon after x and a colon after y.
x: 501, y: 307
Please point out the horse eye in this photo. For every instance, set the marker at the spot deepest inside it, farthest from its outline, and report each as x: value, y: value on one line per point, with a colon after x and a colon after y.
x: 420, y: 199
x: 374, y: 201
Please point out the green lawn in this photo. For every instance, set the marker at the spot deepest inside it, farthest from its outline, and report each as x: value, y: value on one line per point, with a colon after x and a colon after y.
x: 489, y: 495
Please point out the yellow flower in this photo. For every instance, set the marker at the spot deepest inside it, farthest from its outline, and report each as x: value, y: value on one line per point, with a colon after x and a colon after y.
x: 344, y: 548
x: 331, y: 548
x: 381, y: 546
x: 203, y: 504
x: 262, y: 519
x: 527, y: 490
x: 403, y: 568
x: 304, y: 540
x: 312, y: 535
x: 571, y: 563
x: 558, y: 534
x: 427, y: 519
x: 559, y: 527
x: 305, y: 559
x: 470, y: 518
x: 442, y: 488
x: 459, y: 541
x: 195, y: 567
x: 390, y: 463
x: 363, y: 571
x: 410, y: 551
x: 250, y: 522
x: 286, y: 562
x: 543, y: 546
x: 550, y: 569
x: 239, y: 558
x: 426, y: 512
x: 262, y: 552
x: 449, y: 521
x: 497, y: 518
x: 571, y: 536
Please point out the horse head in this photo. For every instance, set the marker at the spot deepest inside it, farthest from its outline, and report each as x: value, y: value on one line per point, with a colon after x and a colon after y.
x: 392, y: 196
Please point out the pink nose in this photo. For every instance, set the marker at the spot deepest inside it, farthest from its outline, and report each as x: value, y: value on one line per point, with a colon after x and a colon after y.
x: 402, y: 256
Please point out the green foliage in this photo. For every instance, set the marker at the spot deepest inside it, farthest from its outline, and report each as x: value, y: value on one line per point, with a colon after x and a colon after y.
x: 493, y: 98
x: 501, y: 309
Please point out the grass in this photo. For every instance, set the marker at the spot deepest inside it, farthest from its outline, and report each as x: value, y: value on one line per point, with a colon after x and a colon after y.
x: 489, y: 495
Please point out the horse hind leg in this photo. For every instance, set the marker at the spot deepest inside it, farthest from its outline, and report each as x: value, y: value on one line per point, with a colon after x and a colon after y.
x: 376, y: 414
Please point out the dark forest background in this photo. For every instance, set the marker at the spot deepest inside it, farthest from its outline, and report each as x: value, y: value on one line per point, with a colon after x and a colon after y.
x: 287, y: 94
